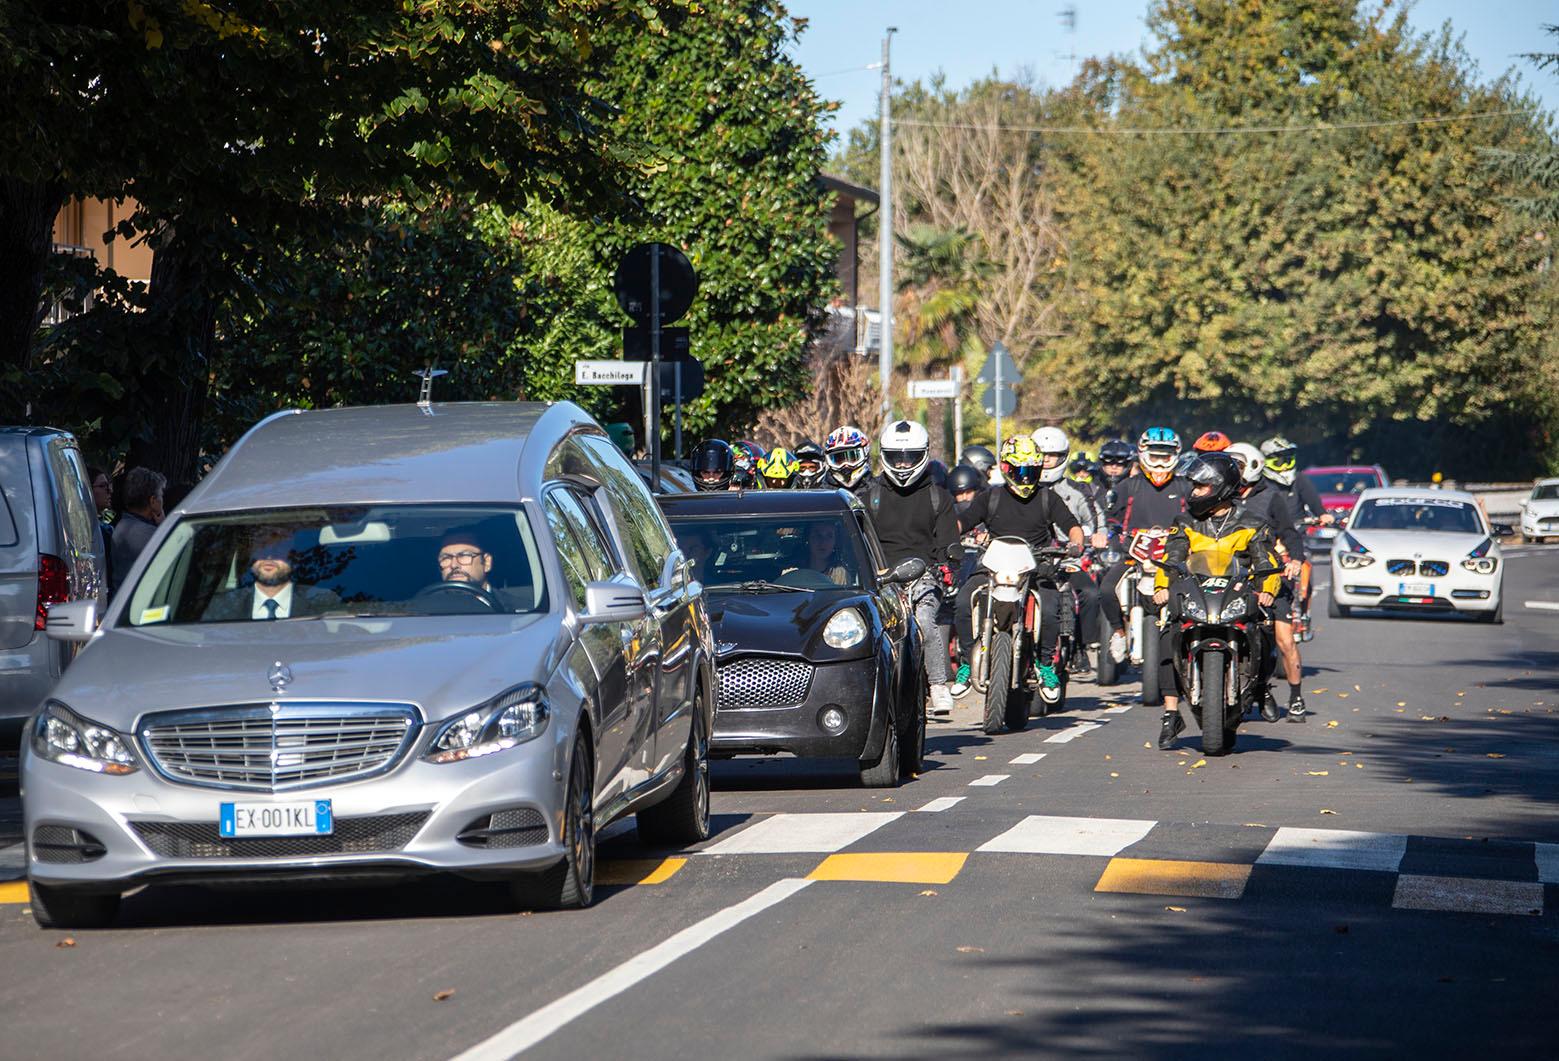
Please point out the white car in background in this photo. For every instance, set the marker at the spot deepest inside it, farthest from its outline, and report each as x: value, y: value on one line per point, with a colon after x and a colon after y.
x: 1418, y: 550
x: 1540, y: 511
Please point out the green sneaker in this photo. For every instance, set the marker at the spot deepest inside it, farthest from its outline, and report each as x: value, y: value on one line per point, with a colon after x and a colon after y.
x: 960, y: 683
x: 1048, y: 677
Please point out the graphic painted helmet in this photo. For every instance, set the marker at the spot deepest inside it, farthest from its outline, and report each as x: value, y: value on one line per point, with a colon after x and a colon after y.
x: 980, y: 458
x: 848, y: 452
x: 1021, y: 465
x: 1215, y: 480
x: 814, y: 465
x: 1053, y: 446
x: 622, y: 434
x: 1249, y: 459
x: 1211, y: 442
x: 1282, y: 459
x: 747, y: 455
x: 779, y: 468
x: 1157, y: 451
x: 713, y: 465
x: 905, y: 452
x: 1082, y: 470
x: 964, y: 478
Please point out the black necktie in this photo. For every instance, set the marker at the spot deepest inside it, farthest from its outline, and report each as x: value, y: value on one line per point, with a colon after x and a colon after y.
x: 270, y: 609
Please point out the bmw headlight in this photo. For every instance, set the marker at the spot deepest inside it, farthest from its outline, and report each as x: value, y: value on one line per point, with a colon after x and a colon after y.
x: 62, y: 736
x: 1354, y: 561
x: 1481, y: 565
x: 509, y: 719
x: 1235, y: 609
x: 845, y: 630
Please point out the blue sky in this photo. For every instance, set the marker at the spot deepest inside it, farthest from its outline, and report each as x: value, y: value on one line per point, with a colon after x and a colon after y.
x: 966, y: 40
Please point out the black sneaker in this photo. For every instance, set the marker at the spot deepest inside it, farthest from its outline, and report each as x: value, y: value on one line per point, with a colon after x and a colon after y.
x: 1270, y: 711
x: 1296, y: 709
x: 1169, y: 729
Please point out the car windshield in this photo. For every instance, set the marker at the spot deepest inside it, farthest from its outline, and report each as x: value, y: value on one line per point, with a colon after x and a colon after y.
x: 1344, y: 482
x: 771, y: 552
x: 1546, y: 492
x: 1442, y: 515
x: 299, y: 564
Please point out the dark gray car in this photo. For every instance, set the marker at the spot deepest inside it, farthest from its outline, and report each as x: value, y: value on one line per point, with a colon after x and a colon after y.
x: 51, y: 551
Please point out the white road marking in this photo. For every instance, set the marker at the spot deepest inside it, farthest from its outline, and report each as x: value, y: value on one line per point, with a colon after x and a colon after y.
x: 1544, y: 605
x: 1041, y: 834
x: 1121, y: 710
x: 792, y: 834
x: 1547, y: 858
x: 1028, y: 759
x: 528, y: 1031
x: 1072, y: 733
x: 1334, y: 849
x: 13, y: 862
x: 988, y: 780
x: 941, y: 803
x: 1468, y: 895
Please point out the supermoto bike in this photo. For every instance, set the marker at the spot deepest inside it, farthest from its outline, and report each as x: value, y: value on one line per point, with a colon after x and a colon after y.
x: 1218, y: 625
x: 1006, y: 613
x: 1135, y: 593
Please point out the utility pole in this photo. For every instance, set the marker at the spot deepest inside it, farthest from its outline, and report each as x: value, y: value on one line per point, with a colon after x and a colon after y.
x: 885, y: 234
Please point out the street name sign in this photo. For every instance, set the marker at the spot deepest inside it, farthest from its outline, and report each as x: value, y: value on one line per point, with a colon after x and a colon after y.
x: 933, y: 388
x: 609, y: 373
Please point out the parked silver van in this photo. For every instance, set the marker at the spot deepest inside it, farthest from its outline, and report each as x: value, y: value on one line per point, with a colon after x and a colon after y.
x: 51, y: 551
x: 380, y: 642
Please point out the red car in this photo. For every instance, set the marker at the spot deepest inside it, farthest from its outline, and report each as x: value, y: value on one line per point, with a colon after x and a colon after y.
x: 1340, y: 487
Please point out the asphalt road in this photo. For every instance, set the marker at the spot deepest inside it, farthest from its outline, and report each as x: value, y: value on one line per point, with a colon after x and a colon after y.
x: 1377, y: 881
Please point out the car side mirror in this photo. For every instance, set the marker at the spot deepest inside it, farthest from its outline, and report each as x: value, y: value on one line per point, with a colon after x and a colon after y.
x: 613, y: 602
x: 906, y: 571
x: 72, y: 621
x: 1503, y: 530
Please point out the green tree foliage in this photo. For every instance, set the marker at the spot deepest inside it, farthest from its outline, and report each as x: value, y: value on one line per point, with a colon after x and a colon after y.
x: 1534, y: 172
x: 1346, y: 285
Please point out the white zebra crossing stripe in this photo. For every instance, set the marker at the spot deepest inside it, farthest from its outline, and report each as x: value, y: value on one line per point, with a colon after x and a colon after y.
x: 1466, y: 895
x: 1547, y: 858
x: 941, y: 803
x: 1119, y: 709
x: 792, y: 834
x: 1334, y: 849
x: 1028, y: 759
x: 1072, y: 733
x: 988, y: 780
x: 1041, y: 834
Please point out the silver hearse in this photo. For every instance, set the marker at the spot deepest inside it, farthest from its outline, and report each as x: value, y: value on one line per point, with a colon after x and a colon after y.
x: 379, y: 642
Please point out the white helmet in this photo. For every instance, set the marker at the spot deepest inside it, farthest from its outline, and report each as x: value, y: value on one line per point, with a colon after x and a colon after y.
x: 1052, y: 440
x: 906, y: 452
x: 1282, y: 459
x: 1249, y: 459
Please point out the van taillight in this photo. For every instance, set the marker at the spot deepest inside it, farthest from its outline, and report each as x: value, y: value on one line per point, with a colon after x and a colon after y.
x: 53, y: 587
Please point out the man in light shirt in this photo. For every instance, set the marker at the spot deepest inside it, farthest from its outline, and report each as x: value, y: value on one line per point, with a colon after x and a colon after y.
x: 273, y: 594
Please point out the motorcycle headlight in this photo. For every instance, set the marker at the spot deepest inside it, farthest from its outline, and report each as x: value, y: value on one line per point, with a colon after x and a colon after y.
x: 62, y: 736
x: 509, y: 719
x: 845, y: 630
x: 1192, y: 608
x: 1235, y: 609
x: 1481, y: 565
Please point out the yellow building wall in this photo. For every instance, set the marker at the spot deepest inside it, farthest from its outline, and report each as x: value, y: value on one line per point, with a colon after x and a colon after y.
x: 82, y: 223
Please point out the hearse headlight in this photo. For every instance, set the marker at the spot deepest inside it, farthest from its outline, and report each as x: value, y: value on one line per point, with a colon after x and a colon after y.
x: 845, y: 630
x: 507, y: 720
x: 62, y: 736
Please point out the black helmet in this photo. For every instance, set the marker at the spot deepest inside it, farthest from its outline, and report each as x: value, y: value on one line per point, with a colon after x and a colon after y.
x: 978, y: 458
x: 1216, y: 470
x: 713, y: 464
x: 964, y: 478
x: 814, y: 465
x: 1117, y: 451
x: 937, y: 471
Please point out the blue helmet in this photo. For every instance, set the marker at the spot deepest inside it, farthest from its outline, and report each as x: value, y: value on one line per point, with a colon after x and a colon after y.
x: 1157, y: 451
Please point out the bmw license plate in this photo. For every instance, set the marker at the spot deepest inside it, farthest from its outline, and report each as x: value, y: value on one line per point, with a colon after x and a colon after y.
x: 306, y: 818
x: 1418, y: 589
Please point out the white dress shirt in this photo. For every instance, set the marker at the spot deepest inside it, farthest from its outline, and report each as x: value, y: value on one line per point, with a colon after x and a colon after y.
x: 283, y: 603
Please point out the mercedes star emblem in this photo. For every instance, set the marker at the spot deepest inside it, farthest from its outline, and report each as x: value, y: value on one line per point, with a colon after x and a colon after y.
x: 280, y: 676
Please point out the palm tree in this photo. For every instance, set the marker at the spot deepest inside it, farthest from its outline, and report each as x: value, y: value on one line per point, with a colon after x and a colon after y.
x: 943, y: 281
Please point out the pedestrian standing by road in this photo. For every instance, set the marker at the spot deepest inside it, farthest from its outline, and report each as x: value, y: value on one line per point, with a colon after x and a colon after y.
x: 103, y: 505
x: 143, y: 512
x: 914, y: 517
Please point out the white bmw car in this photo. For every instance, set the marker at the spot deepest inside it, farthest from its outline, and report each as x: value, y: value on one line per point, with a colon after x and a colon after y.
x: 1418, y: 550
x: 1540, y: 511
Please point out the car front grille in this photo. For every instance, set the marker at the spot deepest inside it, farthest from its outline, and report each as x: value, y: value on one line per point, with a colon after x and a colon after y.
x: 761, y: 682
x: 275, y: 747
x: 1426, y: 568
x: 1401, y: 567
x: 375, y: 834
x: 1433, y: 568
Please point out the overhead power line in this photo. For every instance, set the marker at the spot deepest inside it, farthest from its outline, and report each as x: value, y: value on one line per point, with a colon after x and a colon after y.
x: 1229, y: 130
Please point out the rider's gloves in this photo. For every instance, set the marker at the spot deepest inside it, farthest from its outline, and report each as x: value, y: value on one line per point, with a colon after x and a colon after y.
x: 1073, y: 549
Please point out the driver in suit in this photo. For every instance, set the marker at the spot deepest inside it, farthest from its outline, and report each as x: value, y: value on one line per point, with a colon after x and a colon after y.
x: 272, y: 594
x: 463, y: 558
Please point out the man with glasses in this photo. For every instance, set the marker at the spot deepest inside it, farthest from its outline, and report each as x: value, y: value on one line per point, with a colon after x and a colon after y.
x: 462, y: 557
x: 271, y: 594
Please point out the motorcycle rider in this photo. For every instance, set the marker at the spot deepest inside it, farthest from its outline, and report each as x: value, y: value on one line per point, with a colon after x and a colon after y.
x: 713, y: 465
x: 1156, y: 498
x: 964, y: 482
x: 1116, y: 458
x: 848, y: 452
x: 1053, y: 446
x: 1021, y: 508
x: 814, y: 465
x: 914, y: 517
x: 1213, y: 522
x: 980, y: 458
x: 747, y: 455
x: 778, y: 470
x: 1258, y: 496
x: 1211, y: 442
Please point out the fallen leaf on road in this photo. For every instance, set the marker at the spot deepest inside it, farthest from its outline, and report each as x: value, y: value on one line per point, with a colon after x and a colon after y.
x: 1427, y: 718
x: 1317, y: 692
x: 68, y: 941
x: 1114, y: 774
x: 1326, y: 811
x: 1199, y: 764
x: 1332, y: 724
x: 1318, y: 773
x: 1401, y: 703
x: 1342, y: 696
x: 1147, y: 744
x: 1496, y: 755
x: 981, y: 758
x: 971, y: 950
x: 1461, y: 694
x: 1014, y: 1013
x: 1359, y: 766
x: 440, y: 996
x: 1176, y: 909
x: 929, y: 891
x: 1183, y: 762
x: 1109, y: 757
x: 1357, y: 689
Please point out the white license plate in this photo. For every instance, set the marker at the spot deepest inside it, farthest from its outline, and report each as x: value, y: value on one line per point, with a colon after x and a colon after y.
x: 305, y: 818
x: 1418, y: 589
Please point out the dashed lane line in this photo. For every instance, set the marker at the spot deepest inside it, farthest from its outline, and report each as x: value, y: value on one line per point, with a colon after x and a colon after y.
x: 1334, y: 849
x: 1468, y: 895
x: 1072, y: 732
x: 1028, y: 758
x: 988, y: 780
x: 1041, y: 834
x: 1544, y: 605
x: 800, y: 834
x: 892, y: 867
x: 940, y: 804
x: 528, y: 1031
x: 1148, y: 876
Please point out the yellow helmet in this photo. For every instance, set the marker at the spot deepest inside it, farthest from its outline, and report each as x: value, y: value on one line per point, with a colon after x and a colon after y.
x: 1021, y: 465
x: 779, y: 467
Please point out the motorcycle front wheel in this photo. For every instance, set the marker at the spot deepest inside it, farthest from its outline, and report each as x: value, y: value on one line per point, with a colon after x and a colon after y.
x: 1215, y: 683
x: 1108, y: 670
x: 999, y: 690
x: 1152, y: 695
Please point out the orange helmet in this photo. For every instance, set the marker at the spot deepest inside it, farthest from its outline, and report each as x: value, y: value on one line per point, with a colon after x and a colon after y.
x: 1212, y: 442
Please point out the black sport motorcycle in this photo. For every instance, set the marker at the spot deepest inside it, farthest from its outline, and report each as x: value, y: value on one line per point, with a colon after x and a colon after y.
x: 1219, y: 631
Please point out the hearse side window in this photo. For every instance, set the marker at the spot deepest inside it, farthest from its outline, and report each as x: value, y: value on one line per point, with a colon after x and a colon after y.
x: 637, y: 516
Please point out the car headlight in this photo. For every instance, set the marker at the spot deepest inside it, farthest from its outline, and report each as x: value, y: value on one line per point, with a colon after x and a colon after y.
x: 1235, y: 609
x: 62, y: 736
x: 845, y: 630
x: 1481, y: 565
x: 1354, y: 561
x: 509, y: 719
